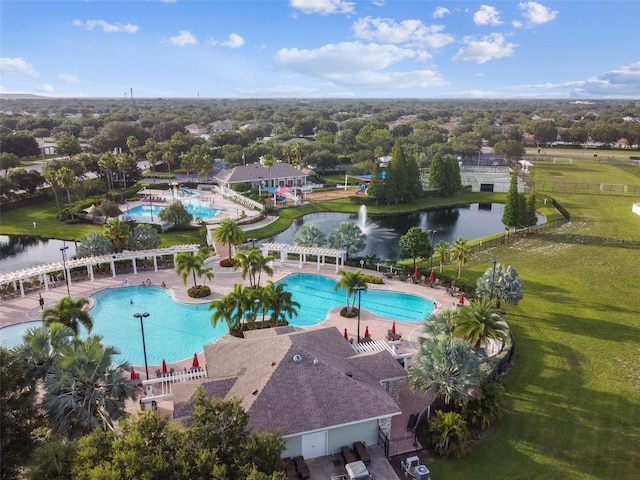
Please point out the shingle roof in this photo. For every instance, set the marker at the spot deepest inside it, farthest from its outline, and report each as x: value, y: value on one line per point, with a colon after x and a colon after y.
x: 255, y: 171
x: 323, y: 386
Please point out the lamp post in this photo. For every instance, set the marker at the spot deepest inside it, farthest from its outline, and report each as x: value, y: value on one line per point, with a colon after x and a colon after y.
x: 63, y: 250
x: 144, y: 346
x: 151, y: 207
x: 359, y: 289
x: 253, y: 242
x: 432, y: 233
x: 493, y: 277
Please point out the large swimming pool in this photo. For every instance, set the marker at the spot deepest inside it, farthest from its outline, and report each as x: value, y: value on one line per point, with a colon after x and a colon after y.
x: 197, y: 208
x: 174, y: 331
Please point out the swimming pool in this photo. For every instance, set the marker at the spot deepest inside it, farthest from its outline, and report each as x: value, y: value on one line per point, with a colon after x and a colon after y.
x: 175, y: 331
x: 197, y: 208
x: 12, y: 335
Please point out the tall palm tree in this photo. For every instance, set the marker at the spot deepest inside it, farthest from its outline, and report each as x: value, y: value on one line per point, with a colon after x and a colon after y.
x: 479, y: 322
x: 349, y: 281
x: 253, y: 263
x: 189, y: 264
x: 442, y: 250
x: 70, y: 313
x: 67, y: 179
x: 223, y: 309
x: 309, y: 235
x: 118, y: 232
x: 51, y: 176
x: 280, y: 302
x: 461, y: 252
x: 446, y: 366
x: 84, y: 390
x: 107, y: 164
x: 229, y: 233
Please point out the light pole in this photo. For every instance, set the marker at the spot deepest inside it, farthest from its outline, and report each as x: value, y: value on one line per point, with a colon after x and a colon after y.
x: 151, y: 207
x: 63, y: 250
x: 432, y: 233
x: 253, y: 242
x: 144, y: 346
x: 493, y: 277
x: 359, y: 289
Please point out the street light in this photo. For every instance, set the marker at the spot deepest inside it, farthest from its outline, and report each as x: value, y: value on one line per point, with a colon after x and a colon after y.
x: 432, y: 233
x: 63, y: 250
x: 144, y: 346
x: 359, y: 289
x: 253, y: 242
x: 493, y: 277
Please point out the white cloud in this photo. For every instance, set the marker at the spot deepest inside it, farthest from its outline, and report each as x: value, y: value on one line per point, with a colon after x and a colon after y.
x: 68, y: 78
x: 17, y: 67
x: 537, y: 13
x: 392, y: 80
x: 235, y: 41
x: 516, y: 24
x: 410, y: 32
x: 106, y: 27
x: 184, y: 37
x: 487, y: 15
x: 440, y: 12
x: 324, y: 7
x: 45, y: 88
x: 488, y: 48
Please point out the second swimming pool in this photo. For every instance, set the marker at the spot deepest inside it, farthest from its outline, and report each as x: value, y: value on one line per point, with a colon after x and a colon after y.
x: 174, y: 331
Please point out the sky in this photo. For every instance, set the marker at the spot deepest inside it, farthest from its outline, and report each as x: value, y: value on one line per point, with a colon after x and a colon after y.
x: 320, y: 49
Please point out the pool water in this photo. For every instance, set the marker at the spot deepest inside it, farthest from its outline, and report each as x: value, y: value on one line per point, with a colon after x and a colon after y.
x: 175, y: 331
x: 197, y: 208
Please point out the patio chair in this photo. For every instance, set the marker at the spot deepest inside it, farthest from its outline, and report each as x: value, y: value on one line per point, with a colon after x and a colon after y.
x: 289, y: 468
x: 363, y: 454
x: 301, y: 467
x: 348, y: 455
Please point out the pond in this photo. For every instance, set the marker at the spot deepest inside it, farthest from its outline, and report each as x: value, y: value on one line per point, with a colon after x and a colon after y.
x: 383, y: 232
x: 18, y: 252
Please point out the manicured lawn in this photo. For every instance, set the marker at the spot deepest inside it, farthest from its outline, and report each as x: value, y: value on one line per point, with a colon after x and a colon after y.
x: 574, y: 389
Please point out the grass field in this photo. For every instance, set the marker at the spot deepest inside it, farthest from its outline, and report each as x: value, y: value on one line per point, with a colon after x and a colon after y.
x: 574, y: 390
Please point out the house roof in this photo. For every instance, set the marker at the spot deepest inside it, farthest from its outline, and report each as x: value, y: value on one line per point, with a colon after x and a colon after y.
x: 254, y: 171
x: 297, y: 382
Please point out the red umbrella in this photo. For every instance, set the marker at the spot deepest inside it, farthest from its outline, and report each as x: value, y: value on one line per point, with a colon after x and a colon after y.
x: 461, y: 301
x: 366, y: 332
x: 133, y: 374
x: 416, y: 274
x: 196, y: 363
x: 393, y: 328
x: 432, y: 277
x: 346, y: 336
x: 164, y: 366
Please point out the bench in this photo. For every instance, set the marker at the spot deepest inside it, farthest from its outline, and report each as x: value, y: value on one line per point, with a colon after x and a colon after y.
x: 348, y: 455
x: 289, y: 468
x: 361, y: 450
x: 301, y: 467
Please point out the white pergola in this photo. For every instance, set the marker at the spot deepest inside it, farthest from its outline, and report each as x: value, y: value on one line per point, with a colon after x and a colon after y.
x: 18, y: 277
x: 303, y: 252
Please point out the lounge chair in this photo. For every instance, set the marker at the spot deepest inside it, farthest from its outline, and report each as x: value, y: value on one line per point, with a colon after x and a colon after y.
x: 361, y: 450
x: 301, y: 467
x: 348, y: 455
x: 289, y: 468
x: 159, y: 373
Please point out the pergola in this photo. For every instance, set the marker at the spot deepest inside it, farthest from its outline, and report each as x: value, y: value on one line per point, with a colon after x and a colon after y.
x: 18, y: 277
x: 303, y: 252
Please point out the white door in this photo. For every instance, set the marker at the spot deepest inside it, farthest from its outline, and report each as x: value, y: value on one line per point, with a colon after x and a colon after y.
x: 314, y: 444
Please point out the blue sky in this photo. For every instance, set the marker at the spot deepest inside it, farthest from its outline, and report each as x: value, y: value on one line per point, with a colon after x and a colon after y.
x: 321, y: 48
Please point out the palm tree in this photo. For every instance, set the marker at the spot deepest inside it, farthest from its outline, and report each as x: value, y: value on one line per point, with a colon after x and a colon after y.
x: 254, y: 263
x: 66, y: 179
x: 69, y: 313
x: 446, y: 366
x: 349, y: 281
x: 223, y: 309
x: 53, y: 459
x: 309, y: 235
x: 84, y: 390
x: 348, y: 236
x: 93, y: 244
x: 503, y: 283
x: 442, y: 323
x: 479, y: 322
x: 118, y: 232
x: 51, y: 176
x: 448, y: 433
x: 442, y: 250
x: 229, y: 233
x: 189, y: 264
x: 107, y: 164
x: 280, y: 302
x: 461, y: 252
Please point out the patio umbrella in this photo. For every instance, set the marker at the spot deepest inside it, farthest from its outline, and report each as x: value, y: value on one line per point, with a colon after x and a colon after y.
x: 346, y: 336
x: 416, y: 274
x: 393, y: 327
x: 133, y: 374
x: 461, y: 301
x: 164, y: 366
x: 196, y: 363
x: 432, y: 277
x: 366, y: 332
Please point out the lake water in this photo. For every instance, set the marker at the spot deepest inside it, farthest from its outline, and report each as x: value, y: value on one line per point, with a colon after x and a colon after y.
x: 18, y: 252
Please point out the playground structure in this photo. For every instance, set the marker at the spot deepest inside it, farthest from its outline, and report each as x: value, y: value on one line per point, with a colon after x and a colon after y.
x: 361, y: 188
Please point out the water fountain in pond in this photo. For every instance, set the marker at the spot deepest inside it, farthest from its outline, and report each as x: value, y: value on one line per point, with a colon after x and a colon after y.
x: 363, y: 221
x: 370, y: 228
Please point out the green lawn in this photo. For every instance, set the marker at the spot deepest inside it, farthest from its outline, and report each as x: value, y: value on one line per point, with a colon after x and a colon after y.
x: 574, y: 389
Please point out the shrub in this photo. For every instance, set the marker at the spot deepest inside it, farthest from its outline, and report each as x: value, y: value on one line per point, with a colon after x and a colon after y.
x: 199, y: 291
x: 447, y: 433
x: 229, y: 262
x: 483, y: 410
x: 345, y: 312
x: 374, y: 279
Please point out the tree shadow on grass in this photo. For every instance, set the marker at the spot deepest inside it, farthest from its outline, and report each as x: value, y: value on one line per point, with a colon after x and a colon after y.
x: 578, y: 239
